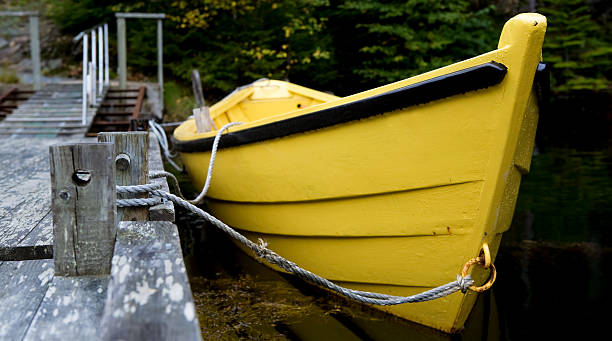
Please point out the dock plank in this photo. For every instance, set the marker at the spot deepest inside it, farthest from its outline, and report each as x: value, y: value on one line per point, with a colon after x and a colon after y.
x: 22, y: 288
x: 25, y: 204
x: 37, y: 244
x: 71, y: 309
x: 149, y: 297
x: 25, y: 199
x: 20, y: 158
x: 26, y: 215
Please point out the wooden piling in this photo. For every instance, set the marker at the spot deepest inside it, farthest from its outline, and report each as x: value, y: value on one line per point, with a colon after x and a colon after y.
x: 131, y: 161
x: 83, y: 196
x: 35, y: 51
x: 196, y: 83
x: 122, y: 52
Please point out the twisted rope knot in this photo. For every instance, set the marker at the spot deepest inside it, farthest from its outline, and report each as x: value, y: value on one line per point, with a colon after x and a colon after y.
x: 464, y: 282
x: 261, y: 249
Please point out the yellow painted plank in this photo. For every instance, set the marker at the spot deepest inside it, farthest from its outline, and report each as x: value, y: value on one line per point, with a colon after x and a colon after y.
x: 405, y: 261
x: 236, y: 114
x: 419, y: 147
x: 433, y: 211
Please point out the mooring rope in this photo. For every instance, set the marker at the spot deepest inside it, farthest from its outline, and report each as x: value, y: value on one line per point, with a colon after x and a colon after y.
x: 162, y: 139
x: 261, y: 250
x: 138, y: 189
x: 158, y: 131
x: 462, y: 283
x: 211, y: 163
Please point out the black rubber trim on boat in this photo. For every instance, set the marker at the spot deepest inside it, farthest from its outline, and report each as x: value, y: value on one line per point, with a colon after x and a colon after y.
x: 455, y: 83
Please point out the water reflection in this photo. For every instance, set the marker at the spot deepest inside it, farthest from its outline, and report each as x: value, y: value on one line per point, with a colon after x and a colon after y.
x: 553, y: 261
x: 552, y: 273
x: 238, y: 298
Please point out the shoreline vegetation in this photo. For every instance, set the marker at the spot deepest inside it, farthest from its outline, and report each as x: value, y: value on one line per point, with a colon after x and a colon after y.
x: 338, y: 46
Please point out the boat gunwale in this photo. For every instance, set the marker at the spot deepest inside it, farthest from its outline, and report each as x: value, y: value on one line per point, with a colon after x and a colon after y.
x: 455, y: 83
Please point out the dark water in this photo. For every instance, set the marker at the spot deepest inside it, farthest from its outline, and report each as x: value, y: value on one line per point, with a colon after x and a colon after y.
x: 554, y: 269
x: 555, y: 261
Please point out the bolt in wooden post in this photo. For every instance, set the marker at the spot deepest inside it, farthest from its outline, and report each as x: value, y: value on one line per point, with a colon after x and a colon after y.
x: 83, y: 194
x: 132, y: 167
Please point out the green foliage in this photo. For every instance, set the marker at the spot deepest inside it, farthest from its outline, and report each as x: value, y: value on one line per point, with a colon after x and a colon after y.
x: 235, y: 42
x: 73, y: 16
x: 178, y: 101
x: 8, y: 76
x: 403, y: 38
x: 341, y: 46
x: 576, y: 47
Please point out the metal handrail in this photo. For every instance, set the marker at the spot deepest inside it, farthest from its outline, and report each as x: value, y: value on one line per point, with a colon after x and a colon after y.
x: 96, y: 69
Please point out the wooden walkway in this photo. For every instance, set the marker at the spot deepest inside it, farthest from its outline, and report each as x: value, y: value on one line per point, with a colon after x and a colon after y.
x: 55, y: 110
x: 147, y: 295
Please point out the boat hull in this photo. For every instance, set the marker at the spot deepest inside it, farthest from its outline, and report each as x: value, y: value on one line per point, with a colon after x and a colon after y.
x: 393, y: 202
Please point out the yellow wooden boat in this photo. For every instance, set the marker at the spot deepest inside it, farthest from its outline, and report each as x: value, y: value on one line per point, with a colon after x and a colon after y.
x: 265, y: 98
x: 390, y: 190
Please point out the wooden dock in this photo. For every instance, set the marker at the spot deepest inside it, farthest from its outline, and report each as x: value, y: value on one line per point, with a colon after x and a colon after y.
x: 129, y: 283
x: 55, y: 110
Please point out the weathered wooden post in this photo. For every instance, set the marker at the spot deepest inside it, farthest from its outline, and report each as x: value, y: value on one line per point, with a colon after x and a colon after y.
x: 35, y: 50
x: 196, y: 83
x: 131, y: 160
x: 202, y: 119
x: 160, y: 61
x: 122, y: 52
x: 121, y: 47
x: 83, y: 196
x: 34, y: 42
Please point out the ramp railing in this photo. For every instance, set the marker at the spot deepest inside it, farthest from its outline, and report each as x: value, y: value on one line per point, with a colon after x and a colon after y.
x: 95, y: 67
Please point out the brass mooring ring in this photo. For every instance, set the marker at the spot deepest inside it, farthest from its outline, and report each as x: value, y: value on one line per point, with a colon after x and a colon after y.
x: 480, y: 261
